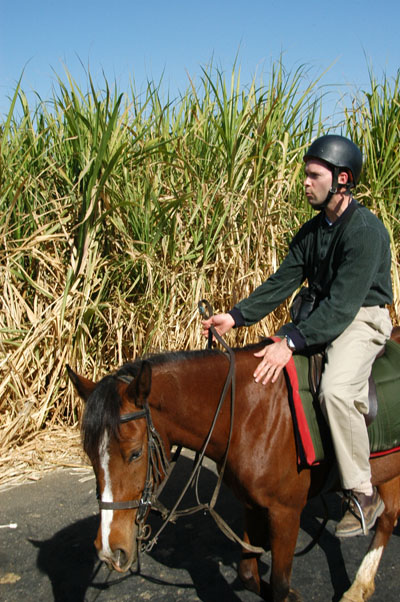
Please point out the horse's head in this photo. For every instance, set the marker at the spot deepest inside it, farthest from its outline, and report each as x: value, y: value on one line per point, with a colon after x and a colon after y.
x: 116, y: 426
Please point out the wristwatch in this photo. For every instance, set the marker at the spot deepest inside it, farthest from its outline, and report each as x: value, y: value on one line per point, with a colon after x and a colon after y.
x: 290, y: 343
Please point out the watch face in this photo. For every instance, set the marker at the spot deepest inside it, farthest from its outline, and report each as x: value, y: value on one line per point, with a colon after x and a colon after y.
x: 290, y: 343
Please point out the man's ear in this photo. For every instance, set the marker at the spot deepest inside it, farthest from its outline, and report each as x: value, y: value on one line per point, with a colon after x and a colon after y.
x: 343, y: 178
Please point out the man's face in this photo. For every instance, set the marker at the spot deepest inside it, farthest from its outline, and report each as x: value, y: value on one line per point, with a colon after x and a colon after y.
x: 318, y: 182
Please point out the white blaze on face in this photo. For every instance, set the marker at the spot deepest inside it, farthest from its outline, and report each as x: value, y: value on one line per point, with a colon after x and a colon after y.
x: 106, y: 496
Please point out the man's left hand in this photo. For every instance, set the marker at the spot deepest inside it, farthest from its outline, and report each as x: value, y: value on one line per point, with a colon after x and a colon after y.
x: 275, y: 357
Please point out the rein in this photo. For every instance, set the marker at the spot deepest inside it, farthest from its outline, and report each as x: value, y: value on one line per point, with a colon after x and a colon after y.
x: 159, y: 468
x: 157, y: 459
x: 209, y: 507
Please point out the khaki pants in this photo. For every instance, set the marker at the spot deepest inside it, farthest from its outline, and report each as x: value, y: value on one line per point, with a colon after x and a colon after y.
x: 344, y: 391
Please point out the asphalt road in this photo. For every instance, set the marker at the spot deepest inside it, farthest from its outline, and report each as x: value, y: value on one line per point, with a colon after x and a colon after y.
x: 49, y: 555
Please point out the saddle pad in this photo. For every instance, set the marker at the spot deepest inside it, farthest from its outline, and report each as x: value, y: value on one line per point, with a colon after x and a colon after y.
x: 313, y: 438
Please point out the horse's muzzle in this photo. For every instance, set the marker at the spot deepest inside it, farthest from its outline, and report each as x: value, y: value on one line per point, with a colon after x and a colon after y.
x: 119, y: 559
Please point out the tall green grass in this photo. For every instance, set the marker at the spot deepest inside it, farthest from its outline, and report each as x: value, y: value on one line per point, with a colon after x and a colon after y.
x: 118, y: 212
x: 374, y: 121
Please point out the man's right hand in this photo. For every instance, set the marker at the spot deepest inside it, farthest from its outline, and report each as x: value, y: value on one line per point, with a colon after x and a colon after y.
x: 221, y: 322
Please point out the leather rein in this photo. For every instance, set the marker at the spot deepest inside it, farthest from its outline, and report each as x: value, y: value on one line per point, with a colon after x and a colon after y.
x: 159, y: 468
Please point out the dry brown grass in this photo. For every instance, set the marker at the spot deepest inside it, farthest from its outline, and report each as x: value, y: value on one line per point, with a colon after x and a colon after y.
x: 117, y: 217
x: 42, y: 453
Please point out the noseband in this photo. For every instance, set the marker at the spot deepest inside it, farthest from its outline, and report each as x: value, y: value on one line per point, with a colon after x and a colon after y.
x: 157, y: 464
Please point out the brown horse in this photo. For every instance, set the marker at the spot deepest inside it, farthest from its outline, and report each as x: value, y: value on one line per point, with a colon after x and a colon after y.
x: 171, y: 399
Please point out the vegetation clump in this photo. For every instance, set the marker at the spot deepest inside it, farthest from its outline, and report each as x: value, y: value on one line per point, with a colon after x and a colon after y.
x: 119, y: 212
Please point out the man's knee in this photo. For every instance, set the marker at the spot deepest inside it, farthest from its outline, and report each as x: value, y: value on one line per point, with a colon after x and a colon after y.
x: 330, y: 388
x: 339, y: 397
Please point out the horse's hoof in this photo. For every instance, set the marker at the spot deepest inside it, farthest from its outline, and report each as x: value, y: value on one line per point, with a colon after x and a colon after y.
x: 251, y: 584
x: 265, y: 591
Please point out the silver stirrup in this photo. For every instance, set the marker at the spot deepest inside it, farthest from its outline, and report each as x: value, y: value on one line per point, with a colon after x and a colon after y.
x: 353, y: 498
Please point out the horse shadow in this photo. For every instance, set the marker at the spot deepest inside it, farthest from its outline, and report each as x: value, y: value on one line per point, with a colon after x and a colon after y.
x: 341, y: 557
x: 312, y: 517
x: 195, y: 544
x: 69, y: 559
x: 191, y: 555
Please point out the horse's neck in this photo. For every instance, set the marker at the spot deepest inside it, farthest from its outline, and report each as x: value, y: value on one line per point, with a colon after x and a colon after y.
x: 185, y: 399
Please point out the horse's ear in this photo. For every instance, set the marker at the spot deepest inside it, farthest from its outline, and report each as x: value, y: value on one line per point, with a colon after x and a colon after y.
x: 83, y: 386
x: 139, y: 389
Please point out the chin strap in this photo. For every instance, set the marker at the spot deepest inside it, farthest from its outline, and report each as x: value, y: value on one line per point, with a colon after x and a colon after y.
x: 334, y: 187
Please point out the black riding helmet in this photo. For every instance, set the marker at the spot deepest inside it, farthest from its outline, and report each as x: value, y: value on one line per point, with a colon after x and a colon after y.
x: 340, y: 154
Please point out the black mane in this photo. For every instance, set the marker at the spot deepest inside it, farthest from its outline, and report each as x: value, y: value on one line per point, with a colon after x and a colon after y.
x: 101, y: 414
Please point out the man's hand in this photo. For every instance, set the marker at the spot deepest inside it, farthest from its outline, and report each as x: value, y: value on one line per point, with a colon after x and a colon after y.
x: 221, y: 322
x: 275, y: 357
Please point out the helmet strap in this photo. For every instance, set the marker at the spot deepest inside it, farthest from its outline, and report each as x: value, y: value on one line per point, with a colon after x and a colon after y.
x: 335, y: 182
x: 333, y: 189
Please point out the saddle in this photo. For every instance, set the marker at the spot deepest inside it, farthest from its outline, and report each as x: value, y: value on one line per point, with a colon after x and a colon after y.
x: 314, y: 444
x: 316, y: 363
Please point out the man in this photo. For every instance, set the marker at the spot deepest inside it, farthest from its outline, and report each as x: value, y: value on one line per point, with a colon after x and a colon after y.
x: 350, y: 320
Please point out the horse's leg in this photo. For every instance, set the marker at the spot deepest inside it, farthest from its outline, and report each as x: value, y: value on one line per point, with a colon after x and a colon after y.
x: 364, y: 583
x: 284, y: 525
x: 281, y: 526
x: 256, y: 534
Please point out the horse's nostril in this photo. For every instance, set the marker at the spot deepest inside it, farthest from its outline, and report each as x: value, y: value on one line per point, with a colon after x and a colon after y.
x: 120, y: 558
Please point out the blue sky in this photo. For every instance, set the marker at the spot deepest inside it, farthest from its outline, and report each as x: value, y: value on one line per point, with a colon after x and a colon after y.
x: 140, y: 41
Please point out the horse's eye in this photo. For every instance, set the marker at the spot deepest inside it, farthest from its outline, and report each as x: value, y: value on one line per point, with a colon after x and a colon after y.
x: 135, y: 455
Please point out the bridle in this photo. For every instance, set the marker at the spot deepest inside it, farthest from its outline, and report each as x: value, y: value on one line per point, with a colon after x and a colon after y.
x: 159, y: 468
x: 157, y: 465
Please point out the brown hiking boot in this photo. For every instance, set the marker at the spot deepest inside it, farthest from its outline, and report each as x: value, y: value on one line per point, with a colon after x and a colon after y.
x: 351, y: 524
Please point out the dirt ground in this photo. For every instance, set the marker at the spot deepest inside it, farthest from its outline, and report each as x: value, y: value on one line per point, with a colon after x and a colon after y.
x: 47, y: 528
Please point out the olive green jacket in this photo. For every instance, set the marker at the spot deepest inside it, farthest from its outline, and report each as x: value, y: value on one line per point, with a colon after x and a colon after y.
x: 357, y: 275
